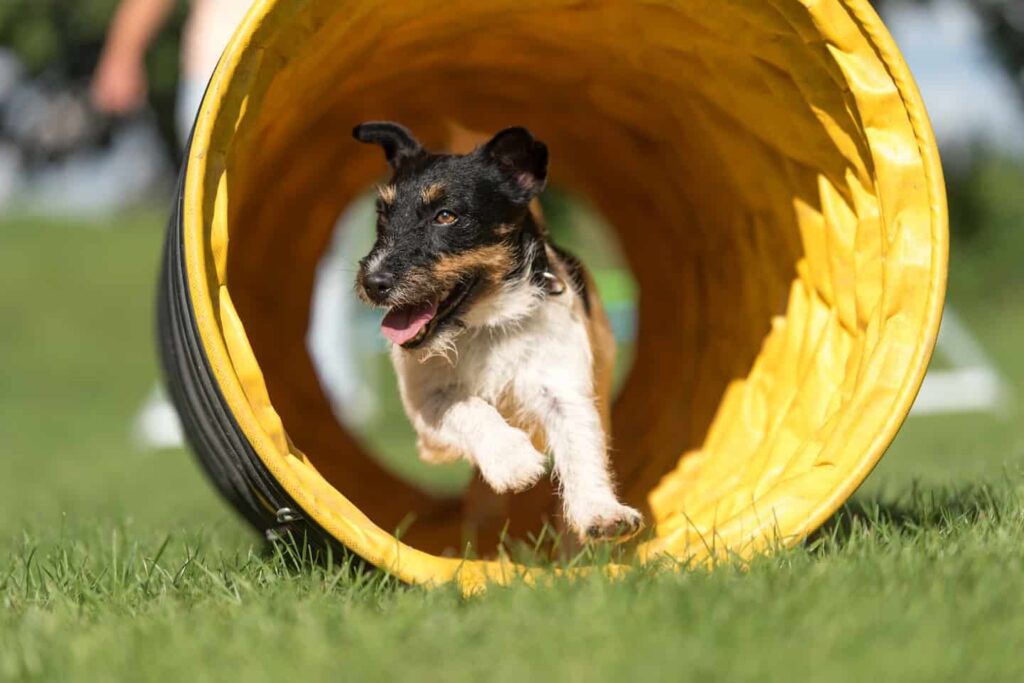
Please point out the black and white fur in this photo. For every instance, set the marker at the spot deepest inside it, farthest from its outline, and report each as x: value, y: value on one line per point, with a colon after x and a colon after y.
x: 517, y: 355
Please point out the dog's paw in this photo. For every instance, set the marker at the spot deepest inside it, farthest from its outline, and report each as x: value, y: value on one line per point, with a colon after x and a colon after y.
x: 611, y: 521
x: 435, y: 454
x: 513, y: 465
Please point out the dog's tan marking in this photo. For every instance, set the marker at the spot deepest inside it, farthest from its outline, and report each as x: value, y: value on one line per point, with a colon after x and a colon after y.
x: 387, y: 193
x: 431, y: 193
x: 493, y: 261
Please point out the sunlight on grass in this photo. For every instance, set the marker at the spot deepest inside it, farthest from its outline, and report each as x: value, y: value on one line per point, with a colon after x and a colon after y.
x: 117, y: 564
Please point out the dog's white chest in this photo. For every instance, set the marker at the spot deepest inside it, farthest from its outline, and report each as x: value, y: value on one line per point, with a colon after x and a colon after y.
x: 549, y: 348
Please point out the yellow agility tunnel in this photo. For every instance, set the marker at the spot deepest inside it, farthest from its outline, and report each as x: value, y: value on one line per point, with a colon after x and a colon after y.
x: 767, y: 165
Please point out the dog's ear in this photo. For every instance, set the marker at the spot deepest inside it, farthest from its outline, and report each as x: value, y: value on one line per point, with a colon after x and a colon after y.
x: 397, y: 141
x: 525, y: 158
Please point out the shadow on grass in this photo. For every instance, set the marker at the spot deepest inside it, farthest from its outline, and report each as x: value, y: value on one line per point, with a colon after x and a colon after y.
x: 299, y: 553
x: 917, y: 511
x: 882, y: 519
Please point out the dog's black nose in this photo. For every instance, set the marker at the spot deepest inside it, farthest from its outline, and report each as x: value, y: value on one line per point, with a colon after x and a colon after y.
x: 378, y: 285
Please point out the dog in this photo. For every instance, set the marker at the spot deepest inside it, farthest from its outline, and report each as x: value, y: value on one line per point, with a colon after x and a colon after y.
x: 502, y: 348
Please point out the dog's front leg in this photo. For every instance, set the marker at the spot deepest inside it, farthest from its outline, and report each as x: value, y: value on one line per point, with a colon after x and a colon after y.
x: 469, y: 425
x: 578, y: 444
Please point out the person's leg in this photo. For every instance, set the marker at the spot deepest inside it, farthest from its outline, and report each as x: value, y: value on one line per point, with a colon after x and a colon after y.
x: 190, y: 97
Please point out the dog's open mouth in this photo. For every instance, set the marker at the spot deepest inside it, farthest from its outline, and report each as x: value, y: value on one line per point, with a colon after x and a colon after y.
x: 410, y: 326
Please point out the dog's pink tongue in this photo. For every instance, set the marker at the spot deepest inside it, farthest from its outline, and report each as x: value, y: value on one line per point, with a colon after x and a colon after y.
x: 403, y: 323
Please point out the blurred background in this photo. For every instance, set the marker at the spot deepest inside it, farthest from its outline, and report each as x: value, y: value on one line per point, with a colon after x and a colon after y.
x: 96, y: 99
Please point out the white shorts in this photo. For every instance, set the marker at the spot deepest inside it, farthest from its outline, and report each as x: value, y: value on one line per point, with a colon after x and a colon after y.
x: 190, y: 96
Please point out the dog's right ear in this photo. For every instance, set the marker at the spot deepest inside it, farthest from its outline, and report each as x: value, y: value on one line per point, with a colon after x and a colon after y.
x: 523, y: 157
x: 397, y: 141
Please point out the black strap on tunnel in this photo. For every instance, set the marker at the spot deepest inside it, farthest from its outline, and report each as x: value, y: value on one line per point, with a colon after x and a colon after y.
x: 211, y: 430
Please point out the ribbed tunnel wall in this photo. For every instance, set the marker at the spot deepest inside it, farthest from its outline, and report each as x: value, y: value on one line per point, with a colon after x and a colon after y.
x: 767, y: 166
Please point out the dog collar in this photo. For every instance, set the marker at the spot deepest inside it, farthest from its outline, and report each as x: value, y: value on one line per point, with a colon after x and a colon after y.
x: 552, y: 284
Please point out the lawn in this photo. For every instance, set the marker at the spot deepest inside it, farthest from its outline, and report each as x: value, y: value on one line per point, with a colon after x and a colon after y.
x: 116, y: 564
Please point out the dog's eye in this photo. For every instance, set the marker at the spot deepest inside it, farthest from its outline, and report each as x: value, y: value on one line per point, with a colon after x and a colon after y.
x: 445, y: 218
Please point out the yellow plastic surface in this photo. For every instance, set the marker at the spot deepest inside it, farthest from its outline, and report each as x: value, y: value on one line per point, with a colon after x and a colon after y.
x: 773, y: 178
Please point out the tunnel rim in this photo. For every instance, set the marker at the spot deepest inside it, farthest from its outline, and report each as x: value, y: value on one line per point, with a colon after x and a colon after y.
x: 417, y: 566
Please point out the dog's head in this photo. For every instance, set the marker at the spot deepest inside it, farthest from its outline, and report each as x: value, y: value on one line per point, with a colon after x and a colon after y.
x: 453, y: 232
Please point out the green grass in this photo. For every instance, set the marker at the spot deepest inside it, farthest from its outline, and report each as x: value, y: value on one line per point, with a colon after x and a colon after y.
x: 117, y: 564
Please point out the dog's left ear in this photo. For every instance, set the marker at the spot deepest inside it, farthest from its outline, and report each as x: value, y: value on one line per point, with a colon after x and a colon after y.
x: 398, y: 143
x: 525, y: 158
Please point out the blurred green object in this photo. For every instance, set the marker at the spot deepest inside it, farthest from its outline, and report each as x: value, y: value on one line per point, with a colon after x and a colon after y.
x: 986, y: 212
